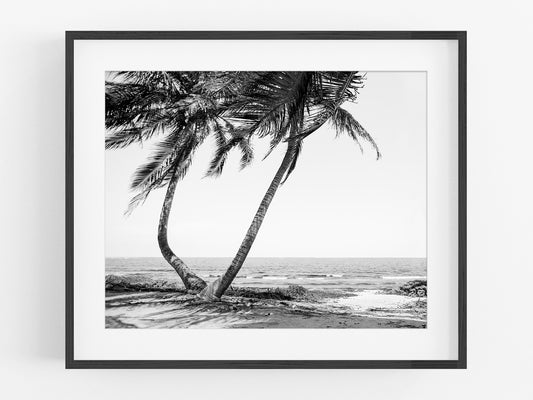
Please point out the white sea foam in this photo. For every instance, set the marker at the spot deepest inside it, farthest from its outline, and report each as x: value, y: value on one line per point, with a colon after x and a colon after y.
x: 372, y: 299
x: 403, y: 277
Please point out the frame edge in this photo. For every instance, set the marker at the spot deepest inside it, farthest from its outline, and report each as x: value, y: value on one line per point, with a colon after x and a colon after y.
x: 462, y: 194
x: 71, y: 36
x: 69, y: 200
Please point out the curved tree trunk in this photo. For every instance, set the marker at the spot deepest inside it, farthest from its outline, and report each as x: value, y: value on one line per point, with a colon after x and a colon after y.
x: 217, y: 288
x: 190, y: 280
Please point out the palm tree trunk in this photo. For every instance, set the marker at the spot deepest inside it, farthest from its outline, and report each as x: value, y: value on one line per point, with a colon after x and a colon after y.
x: 224, y: 282
x: 190, y: 280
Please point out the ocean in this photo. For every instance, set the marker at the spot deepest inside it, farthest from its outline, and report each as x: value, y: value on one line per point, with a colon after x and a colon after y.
x: 312, y: 273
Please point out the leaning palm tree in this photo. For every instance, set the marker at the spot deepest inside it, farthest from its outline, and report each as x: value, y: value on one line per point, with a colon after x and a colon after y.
x: 288, y: 107
x: 183, y: 108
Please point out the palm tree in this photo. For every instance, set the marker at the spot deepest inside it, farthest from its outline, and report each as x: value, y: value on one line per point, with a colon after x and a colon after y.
x: 288, y: 107
x: 184, y: 108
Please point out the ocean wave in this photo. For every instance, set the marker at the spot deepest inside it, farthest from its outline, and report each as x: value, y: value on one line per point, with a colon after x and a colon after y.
x: 272, y: 277
x: 403, y: 277
x: 297, y: 276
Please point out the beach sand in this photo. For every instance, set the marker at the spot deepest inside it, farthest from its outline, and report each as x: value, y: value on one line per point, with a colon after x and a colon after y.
x: 264, y: 308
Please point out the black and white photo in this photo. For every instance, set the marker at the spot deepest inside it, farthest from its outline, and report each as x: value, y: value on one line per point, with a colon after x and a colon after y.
x: 265, y: 199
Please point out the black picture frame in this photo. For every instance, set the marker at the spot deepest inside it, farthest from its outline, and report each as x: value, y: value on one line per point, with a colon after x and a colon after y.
x: 459, y: 36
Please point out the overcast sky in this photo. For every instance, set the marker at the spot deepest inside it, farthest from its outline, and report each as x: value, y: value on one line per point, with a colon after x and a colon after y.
x: 337, y: 203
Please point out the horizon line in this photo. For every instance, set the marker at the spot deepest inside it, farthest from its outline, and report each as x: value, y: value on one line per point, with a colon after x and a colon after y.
x: 160, y: 256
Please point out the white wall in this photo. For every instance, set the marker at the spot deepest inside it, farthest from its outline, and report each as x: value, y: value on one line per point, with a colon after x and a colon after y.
x: 500, y: 274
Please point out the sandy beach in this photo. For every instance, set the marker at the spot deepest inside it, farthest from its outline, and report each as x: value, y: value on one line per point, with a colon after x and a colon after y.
x: 157, y: 304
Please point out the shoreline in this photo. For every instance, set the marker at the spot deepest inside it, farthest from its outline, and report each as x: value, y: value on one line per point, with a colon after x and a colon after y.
x: 156, y: 305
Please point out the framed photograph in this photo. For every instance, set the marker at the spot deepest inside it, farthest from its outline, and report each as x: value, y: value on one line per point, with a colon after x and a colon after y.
x: 266, y: 199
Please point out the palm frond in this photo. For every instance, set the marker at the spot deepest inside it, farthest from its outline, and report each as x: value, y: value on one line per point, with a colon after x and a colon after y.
x: 121, y: 138
x: 344, y: 122
x: 171, y: 83
x: 219, y: 160
x: 224, y: 86
x: 170, y: 157
x: 340, y: 86
x: 124, y: 100
x: 153, y: 172
x: 179, y: 170
x: 294, y: 160
x: 247, y: 152
x: 221, y: 154
x: 276, y: 139
x: 222, y: 146
x: 134, y: 115
x: 330, y: 90
x: 269, y: 103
